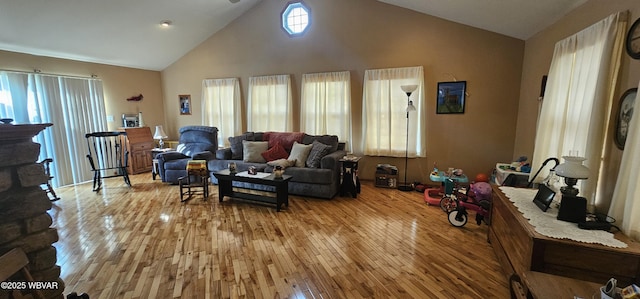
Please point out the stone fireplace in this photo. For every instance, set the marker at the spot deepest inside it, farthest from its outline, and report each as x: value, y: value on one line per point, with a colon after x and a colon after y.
x: 24, y: 221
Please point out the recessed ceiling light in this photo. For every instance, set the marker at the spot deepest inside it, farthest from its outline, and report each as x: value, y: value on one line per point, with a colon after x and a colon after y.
x: 165, y: 23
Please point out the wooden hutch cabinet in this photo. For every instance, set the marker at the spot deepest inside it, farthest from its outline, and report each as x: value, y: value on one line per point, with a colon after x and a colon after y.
x: 520, y: 249
x: 139, y: 146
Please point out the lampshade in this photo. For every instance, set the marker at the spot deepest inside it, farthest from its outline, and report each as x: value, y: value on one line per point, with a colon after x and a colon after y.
x: 572, y: 168
x: 408, y: 89
x: 160, y: 134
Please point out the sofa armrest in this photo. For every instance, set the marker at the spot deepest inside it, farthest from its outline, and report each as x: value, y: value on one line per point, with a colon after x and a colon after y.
x: 205, y: 155
x: 172, y: 155
x: 223, y: 154
x: 332, y: 161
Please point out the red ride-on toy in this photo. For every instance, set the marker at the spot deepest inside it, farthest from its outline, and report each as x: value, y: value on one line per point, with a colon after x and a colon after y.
x: 477, y: 198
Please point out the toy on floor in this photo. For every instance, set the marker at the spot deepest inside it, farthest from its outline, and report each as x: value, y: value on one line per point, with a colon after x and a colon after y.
x: 432, y: 196
x: 478, y: 199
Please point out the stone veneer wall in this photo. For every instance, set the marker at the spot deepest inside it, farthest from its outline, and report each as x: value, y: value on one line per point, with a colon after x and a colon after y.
x: 24, y: 221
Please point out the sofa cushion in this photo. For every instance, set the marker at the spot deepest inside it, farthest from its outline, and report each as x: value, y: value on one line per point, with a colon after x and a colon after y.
x: 331, y: 140
x: 217, y: 165
x: 275, y: 152
x: 300, y: 152
x: 286, y: 139
x: 252, y: 151
x: 311, y: 175
x: 318, y: 151
x: 284, y: 163
x: 235, y: 143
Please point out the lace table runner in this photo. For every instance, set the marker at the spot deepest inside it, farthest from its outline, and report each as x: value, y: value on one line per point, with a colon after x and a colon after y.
x: 546, y: 223
x: 261, y: 175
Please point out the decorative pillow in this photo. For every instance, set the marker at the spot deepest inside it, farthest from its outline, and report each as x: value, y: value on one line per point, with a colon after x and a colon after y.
x: 252, y: 151
x: 318, y: 151
x: 274, y: 153
x: 286, y: 139
x: 331, y: 140
x: 300, y: 152
x: 235, y: 143
x: 284, y: 163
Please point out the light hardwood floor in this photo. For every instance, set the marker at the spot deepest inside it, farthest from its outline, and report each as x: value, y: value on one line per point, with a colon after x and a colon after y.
x: 142, y: 242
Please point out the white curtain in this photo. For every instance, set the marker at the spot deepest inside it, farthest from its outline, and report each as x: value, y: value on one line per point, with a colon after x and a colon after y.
x: 269, y: 104
x: 326, y: 105
x: 625, y: 204
x: 384, y: 115
x: 221, y: 107
x: 577, y: 101
x: 14, y: 86
x: 75, y: 106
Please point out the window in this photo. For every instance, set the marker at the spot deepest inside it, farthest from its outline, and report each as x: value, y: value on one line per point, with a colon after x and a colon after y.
x: 295, y: 18
x: 75, y: 106
x: 574, y: 116
x: 221, y: 107
x: 384, y: 114
x: 269, y: 104
x: 326, y: 104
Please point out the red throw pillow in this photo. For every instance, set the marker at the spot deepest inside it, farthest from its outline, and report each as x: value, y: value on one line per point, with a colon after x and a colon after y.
x: 286, y: 139
x: 275, y: 152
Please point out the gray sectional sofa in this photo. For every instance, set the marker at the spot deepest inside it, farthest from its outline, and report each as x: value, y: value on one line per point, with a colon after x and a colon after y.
x: 317, y: 176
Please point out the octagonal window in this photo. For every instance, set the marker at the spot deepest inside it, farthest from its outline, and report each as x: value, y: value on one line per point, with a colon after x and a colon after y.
x: 295, y: 18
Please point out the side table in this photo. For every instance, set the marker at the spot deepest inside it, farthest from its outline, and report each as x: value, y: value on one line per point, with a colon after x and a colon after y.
x: 350, y: 180
x: 154, y: 152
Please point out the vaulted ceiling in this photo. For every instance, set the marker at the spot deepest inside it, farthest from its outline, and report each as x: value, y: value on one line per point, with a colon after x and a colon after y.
x: 128, y: 33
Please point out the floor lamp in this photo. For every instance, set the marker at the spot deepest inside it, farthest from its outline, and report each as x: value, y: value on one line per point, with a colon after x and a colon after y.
x: 408, y: 89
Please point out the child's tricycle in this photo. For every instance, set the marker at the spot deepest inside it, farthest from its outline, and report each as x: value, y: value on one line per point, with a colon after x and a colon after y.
x: 477, y: 198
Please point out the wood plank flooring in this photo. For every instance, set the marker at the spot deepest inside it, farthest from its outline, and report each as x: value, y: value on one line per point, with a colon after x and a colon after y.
x: 142, y: 242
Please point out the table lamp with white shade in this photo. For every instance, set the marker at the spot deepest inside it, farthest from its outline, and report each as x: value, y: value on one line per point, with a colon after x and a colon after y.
x: 573, y: 208
x: 160, y: 135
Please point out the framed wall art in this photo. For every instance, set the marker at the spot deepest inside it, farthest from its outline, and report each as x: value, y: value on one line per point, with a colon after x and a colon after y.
x: 451, y: 97
x: 185, y: 104
x: 625, y: 111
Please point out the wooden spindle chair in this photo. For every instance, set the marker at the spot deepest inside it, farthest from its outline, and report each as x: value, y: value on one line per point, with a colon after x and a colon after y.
x: 108, y: 156
x: 48, y: 188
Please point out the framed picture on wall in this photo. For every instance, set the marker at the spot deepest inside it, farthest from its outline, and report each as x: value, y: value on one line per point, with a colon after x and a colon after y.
x: 451, y: 97
x: 185, y: 104
x: 625, y: 111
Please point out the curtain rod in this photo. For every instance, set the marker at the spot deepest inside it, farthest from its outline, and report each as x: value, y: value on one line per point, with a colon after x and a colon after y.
x: 39, y: 72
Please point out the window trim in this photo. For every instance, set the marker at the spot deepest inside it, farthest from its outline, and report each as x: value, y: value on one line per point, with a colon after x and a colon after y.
x: 284, y: 16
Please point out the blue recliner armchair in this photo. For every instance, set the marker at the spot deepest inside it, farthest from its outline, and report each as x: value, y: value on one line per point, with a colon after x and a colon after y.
x: 195, y: 143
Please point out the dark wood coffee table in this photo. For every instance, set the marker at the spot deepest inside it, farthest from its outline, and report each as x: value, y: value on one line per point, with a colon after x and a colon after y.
x: 225, y: 187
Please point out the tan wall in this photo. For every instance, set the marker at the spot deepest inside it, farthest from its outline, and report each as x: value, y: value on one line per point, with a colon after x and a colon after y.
x: 119, y: 83
x: 537, y: 60
x: 356, y: 35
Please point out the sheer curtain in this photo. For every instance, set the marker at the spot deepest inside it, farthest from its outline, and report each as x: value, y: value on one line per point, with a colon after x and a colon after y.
x: 269, y: 104
x: 14, y: 86
x: 75, y: 106
x: 221, y: 107
x: 577, y: 101
x: 625, y: 204
x: 326, y: 105
x: 384, y: 116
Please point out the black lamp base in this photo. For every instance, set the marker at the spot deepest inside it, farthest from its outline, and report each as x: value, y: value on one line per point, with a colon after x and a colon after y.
x: 405, y: 187
x: 573, y: 209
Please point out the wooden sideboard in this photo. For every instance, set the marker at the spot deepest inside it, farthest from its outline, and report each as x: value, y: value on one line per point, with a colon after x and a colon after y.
x: 520, y: 248
x: 139, y: 146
